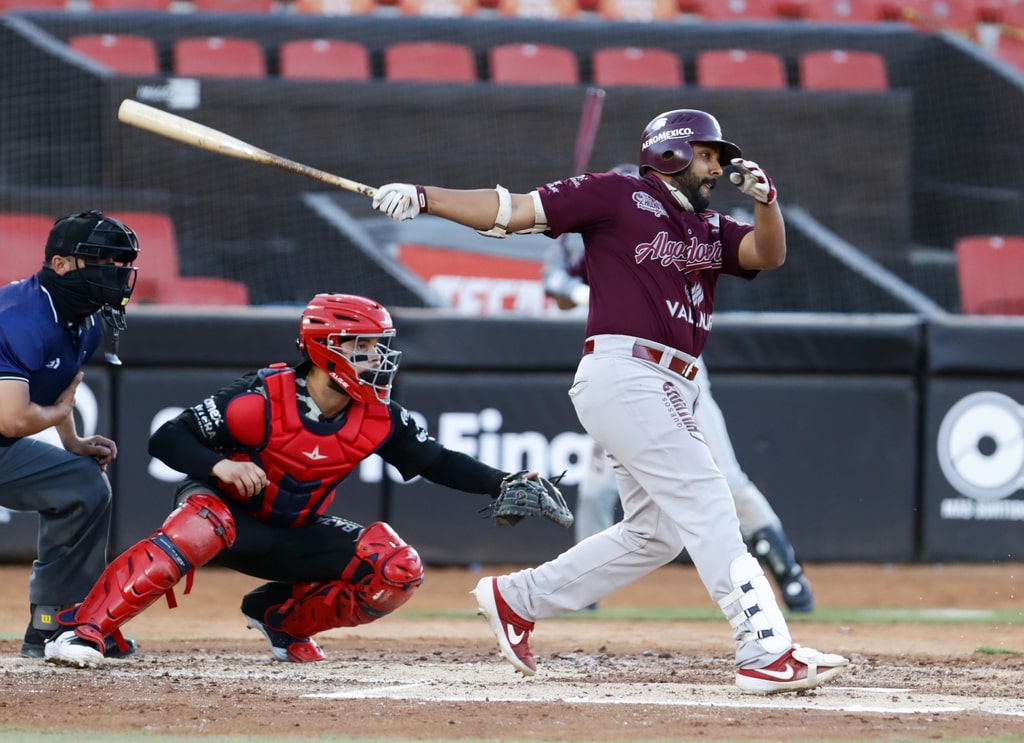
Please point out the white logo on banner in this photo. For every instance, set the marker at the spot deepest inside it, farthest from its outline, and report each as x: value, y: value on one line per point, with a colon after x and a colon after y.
x: 980, y: 448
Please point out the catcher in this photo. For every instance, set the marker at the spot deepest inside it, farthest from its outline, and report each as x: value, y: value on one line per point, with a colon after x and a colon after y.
x: 264, y: 457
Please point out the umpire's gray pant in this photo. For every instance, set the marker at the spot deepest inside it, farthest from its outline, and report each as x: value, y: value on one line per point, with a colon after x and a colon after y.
x: 72, y: 496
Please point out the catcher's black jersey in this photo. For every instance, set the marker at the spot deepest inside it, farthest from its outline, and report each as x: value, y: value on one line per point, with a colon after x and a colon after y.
x: 199, y: 437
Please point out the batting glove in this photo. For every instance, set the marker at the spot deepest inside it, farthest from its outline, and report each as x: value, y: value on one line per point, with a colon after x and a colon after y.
x: 753, y: 181
x: 400, y: 201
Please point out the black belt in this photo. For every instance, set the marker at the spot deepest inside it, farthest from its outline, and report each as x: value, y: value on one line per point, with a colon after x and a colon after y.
x: 678, y: 364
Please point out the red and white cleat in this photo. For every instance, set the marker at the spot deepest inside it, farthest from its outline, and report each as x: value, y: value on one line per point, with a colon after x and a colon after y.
x: 798, y: 669
x: 510, y: 629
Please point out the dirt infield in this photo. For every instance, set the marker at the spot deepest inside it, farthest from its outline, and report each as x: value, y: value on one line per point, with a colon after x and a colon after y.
x: 430, y: 671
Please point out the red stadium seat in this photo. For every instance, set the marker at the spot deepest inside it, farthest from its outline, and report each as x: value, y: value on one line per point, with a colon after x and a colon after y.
x: 549, y: 9
x: 739, y: 68
x: 941, y: 15
x: 218, y: 56
x: 842, y: 11
x: 438, y: 8
x: 132, y: 5
x: 738, y: 10
x: 638, y: 10
x: 160, y: 281
x: 6, y: 5
x: 324, y: 59
x: 1010, y: 49
x: 990, y: 274
x: 335, y: 7
x: 125, y: 54
x: 233, y: 6
x: 630, y: 65
x: 429, y: 61
x: 22, y: 240
x: 837, y: 69
x: 533, y: 64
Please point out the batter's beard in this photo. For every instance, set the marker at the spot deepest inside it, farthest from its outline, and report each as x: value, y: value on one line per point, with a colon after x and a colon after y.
x: 690, y: 185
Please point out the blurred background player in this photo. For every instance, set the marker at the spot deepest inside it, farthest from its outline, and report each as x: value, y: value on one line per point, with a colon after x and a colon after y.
x: 598, y: 492
x: 51, y: 323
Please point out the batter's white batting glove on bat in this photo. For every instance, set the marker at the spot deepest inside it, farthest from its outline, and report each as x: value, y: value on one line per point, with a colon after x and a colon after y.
x: 753, y: 181
x: 400, y: 201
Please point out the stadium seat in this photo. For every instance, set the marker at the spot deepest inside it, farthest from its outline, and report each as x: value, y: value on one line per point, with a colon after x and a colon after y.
x: 438, y: 8
x: 324, y: 59
x: 739, y: 68
x: 125, y: 54
x: 838, y: 69
x: 630, y: 65
x: 335, y: 7
x: 533, y: 64
x: 218, y: 56
x: 6, y: 5
x: 1010, y: 49
x: 550, y: 9
x: 160, y: 280
x: 842, y: 11
x: 132, y: 5
x: 959, y: 16
x: 233, y: 6
x: 23, y: 237
x: 990, y: 274
x: 738, y: 10
x: 638, y: 10
x: 429, y: 61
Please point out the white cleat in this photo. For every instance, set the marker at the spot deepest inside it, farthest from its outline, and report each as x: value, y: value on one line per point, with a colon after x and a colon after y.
x: 799, y: 669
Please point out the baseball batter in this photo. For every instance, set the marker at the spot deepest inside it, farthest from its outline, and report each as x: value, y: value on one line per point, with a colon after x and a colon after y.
x: 566, y: 282
x: 653, y: 252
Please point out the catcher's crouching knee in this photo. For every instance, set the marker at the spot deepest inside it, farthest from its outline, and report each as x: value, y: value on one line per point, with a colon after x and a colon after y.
x: 383, y: 575
x: 397, y: 570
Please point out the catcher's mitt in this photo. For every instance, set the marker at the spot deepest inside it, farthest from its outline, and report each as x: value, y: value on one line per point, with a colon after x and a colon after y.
x: 529, y: 496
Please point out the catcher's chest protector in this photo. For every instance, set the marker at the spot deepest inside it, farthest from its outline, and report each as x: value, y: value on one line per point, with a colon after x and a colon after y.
x: 304, y: 460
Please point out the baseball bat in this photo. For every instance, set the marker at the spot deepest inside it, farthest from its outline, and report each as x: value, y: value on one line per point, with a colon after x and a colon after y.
x: 586, y: 135
x: 175, y: 127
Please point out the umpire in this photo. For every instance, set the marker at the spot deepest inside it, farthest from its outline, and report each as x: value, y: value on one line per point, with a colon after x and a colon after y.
x: 50, y: 324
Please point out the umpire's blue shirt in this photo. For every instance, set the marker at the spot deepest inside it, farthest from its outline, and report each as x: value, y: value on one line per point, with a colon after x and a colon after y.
x: 35, y: 346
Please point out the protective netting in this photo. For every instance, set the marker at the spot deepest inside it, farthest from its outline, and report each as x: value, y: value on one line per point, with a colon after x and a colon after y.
x: 877, y: 185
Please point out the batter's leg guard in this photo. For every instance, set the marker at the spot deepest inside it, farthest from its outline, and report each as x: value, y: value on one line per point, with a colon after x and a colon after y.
x: 191, y: 535
x: 752, y: 611
x: 773, y: 549
x: 382, y: 576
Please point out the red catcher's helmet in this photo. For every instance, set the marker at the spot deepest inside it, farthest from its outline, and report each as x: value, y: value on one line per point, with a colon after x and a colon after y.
x: 365, y: 368
x: 665, y: 145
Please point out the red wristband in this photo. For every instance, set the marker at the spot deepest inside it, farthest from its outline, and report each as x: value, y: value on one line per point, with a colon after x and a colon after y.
x: 421, y: 197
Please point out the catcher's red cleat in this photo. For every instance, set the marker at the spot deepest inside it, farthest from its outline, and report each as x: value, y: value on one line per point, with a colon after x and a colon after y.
x: 287, y: 648
x: 510, y: 629
x: 799, y: 669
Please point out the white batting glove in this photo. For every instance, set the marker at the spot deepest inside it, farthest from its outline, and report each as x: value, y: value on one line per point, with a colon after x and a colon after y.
x: 400, y: 201
x: 753, y: 181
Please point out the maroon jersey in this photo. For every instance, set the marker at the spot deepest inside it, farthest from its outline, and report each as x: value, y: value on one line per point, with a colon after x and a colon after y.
x: 652, y: 266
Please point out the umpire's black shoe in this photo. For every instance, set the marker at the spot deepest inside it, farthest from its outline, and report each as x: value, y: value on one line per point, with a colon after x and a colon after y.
x: 44, y: 626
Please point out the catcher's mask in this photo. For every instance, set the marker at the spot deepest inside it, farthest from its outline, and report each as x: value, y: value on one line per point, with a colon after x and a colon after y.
x: 107, y: 248
x: 666, y: 142
x: 349, y: 337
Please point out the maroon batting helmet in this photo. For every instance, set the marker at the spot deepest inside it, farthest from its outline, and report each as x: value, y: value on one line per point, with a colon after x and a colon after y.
x: 665, y: 146
x: 331, y: 320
